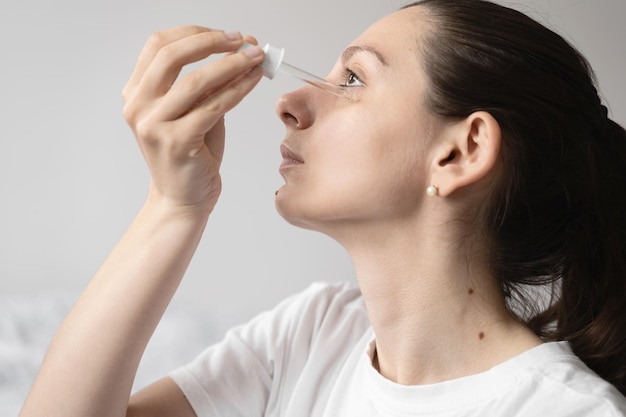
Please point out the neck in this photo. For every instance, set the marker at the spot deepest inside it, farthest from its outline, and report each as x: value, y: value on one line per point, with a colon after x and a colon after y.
x: 437, y: 313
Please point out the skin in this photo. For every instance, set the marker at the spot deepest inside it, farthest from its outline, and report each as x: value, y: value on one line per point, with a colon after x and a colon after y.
x: 351, y: 171
x: 436, y: 310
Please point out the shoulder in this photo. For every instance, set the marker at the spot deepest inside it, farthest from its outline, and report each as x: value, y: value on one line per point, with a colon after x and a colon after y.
x: 331, y: 293
x: 321, y: 301
x: 554, y: 371
x: 305, y: 334
x: 320, y: 305
x: 301, y: 318
x: 329, y: 300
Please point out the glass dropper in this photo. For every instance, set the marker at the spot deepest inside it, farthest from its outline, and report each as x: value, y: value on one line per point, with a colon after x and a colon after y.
x: 273, y: 63
x: 309, y: 78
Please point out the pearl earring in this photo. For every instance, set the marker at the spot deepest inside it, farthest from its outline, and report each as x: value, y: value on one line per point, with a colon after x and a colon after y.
x: 432, y: 190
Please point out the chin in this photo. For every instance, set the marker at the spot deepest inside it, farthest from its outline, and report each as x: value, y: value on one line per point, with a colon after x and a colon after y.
x: 290, y: 212
x: 296, y: 212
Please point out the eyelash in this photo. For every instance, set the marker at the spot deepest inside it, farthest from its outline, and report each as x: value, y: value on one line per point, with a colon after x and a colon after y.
x: 349, y: 75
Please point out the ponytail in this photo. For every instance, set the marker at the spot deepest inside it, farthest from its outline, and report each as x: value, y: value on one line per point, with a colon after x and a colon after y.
x: 591, y: 310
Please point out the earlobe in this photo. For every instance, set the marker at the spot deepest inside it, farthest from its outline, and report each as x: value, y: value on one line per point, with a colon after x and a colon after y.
x: 469, y: 153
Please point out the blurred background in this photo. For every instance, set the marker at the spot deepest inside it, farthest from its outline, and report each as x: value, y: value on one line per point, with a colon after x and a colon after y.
x: 72, y: 178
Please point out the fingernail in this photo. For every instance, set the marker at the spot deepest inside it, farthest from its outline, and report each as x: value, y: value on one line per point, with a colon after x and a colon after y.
x: 233, y: 36
x: 253, y: 51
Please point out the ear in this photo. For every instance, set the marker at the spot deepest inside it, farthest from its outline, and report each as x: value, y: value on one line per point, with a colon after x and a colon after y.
x: 468, y: 152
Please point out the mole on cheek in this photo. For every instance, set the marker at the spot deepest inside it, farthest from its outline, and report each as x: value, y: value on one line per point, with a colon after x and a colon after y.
x: 481, y: 335
x: 470, y: 291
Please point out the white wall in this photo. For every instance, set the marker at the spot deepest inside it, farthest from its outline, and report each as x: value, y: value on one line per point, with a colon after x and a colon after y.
x: 71, y: 178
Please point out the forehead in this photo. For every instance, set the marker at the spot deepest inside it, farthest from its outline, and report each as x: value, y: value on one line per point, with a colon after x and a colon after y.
x: 396, y: 34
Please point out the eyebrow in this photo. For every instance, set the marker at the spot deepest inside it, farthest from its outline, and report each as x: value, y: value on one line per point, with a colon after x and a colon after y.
x: 351, y: 50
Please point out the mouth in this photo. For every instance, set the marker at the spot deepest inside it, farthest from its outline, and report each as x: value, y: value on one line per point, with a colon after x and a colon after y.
x: 290, y: 158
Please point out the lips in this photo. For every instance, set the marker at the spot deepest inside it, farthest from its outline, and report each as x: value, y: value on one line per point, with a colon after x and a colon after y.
x: 290, y: 158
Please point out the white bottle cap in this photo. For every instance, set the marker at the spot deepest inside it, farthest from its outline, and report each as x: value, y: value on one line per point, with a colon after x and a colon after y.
x: 272, y: 61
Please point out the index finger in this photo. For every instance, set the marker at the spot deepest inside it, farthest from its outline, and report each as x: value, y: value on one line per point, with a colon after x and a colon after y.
x: 156, y: 42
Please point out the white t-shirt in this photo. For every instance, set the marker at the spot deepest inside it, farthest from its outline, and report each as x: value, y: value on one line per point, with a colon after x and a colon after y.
x: 311, y: 356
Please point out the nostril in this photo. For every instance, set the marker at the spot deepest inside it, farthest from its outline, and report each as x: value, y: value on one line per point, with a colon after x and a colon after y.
x: 289, y: 118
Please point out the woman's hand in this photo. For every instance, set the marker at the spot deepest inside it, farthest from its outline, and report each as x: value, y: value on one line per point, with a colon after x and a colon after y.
x: 179, y: 124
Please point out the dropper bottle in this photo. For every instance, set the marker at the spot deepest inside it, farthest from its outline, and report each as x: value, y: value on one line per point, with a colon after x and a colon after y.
x: 273, y: 63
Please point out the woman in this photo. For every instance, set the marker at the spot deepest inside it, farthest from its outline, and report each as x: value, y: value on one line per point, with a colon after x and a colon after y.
x: 473, y: 158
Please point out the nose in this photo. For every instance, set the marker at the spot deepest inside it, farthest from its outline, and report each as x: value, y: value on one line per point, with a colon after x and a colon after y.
x: 294, y: 109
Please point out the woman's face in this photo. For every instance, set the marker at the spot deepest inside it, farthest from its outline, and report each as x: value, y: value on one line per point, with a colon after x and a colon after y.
x: 365, y: 159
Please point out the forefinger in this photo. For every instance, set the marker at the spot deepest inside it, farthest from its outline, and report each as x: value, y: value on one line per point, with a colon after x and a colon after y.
x: 155, y: 43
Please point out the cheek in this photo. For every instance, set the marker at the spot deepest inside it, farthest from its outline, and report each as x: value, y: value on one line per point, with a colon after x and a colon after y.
x: 359, y: 164
x: 348, y: 148
x: 371, y: 158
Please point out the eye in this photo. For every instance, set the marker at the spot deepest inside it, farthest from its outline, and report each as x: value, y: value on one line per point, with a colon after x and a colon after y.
x: 352, y: 79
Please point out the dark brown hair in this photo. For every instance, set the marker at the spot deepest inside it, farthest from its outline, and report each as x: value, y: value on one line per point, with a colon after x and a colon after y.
x: 558, y: 215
